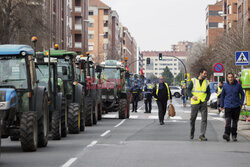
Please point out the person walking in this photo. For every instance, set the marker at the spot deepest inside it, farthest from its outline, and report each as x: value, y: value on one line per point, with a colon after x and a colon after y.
x: 232, y: 99
x: 162, y: 94
x: 148, y: 90
x: 184, y: 95
x: 135, y: 96
x: 219, y: 91
x: 199, y: 92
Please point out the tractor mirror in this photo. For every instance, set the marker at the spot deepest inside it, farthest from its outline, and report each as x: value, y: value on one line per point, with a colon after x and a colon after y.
x: 64, y: 71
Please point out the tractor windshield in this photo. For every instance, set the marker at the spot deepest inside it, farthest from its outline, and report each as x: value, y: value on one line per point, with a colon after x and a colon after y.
x: 13, y: 72
x: 43, y: 75
x: 110, y: 73
x: 64, y: 69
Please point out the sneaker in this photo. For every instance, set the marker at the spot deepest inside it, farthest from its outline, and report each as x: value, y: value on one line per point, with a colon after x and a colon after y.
x: 226, y: 137
x: 234, y: 138
x: 202, y: 138
x: 191, y: 137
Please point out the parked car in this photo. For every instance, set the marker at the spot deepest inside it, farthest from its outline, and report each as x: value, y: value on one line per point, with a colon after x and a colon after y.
x: 176, y: 91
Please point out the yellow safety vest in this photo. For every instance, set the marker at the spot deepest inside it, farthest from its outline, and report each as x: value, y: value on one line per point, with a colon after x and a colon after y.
x: 157, y: 91
x: 219, y: 91
x: 199, y: 91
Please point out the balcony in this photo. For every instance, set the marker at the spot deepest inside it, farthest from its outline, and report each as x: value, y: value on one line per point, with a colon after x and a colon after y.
x: 78, y: 45
x: 78, y: 27
x: 78, y: 9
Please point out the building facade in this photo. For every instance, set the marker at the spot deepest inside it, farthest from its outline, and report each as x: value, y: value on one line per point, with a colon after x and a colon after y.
x: 182, y: 46
x: 230, y: 13
x: 156, y: 66
x: 214, y: 22
x: 244, y: 14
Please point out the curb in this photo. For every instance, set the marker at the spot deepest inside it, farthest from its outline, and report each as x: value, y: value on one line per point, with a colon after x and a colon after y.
x: 245, y: 133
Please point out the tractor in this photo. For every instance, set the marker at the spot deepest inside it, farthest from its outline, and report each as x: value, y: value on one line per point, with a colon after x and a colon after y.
x: 88, y: 74
x: 115, y: 95
x: 24, y: 111
x: 71, y: 89
x: 48, y: 77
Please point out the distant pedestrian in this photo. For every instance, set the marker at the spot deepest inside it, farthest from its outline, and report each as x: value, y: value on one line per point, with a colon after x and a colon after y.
x: 199, y: 92
x: 135, y: 96
x: 219, y: 91
x: 232, y: 99
x: 148, y: 90
x: 184, y: 95
x: 162, y: 94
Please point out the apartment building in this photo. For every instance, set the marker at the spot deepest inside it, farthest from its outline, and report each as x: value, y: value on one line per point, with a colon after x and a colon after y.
x: 214, y: 22
x: 182, y: 46
x: 244, y: 14
x: 230, y: 13
x: 156, y: 66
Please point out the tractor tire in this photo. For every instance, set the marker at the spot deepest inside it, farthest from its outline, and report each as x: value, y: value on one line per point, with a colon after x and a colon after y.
x: 82, y: 119
x: 95, y: 113
x: 43, y: 124
x: 89, y: 113
x: 64, y: 125
x: 56, y: 125
x: 74, y: 118
x: 123, y: 107
x: 28, y: 131
x: 100, y: 111
x: 128, y: 108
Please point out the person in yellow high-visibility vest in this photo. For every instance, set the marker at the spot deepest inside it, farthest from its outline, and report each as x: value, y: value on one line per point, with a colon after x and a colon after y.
x: 219, y: 91
x: 162, y: 94
x: 199, y: 92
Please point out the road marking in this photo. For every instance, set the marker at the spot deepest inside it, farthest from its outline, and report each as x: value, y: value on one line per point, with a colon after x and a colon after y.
x: 105, y: 133
x: 140, y: 107
x: 176, y: 117
x: 69, y: 162
x: 187, y: 112
x: 198, y: 118
x: 152, y: 117
x: 120, y: 123
x: 212, y: 114
x: 133, y: 116
x: 219, y: 119
x: 92, y: 143
x: 109, y: 116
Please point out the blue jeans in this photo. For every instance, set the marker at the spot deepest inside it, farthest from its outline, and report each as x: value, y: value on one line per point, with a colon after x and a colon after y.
x: 184, y: 100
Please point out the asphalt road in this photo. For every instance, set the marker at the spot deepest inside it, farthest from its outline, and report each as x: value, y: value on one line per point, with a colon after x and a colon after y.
x: 137, y: 142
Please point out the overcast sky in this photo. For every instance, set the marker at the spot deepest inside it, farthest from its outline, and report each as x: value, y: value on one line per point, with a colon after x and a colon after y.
x: 157, y: 24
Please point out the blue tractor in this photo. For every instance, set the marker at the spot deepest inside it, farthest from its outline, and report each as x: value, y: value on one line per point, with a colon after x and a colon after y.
x: 24, y: 113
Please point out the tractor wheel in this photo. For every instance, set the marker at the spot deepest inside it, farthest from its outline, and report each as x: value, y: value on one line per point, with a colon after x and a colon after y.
x: 56, y: 125
x: 123, y: 107
x: 95, y: 113
x: 89, y: 113
x: 100, y: 111
x: 82, y: 119
x: 28, y: 131
x: 74, y: 118
x: 43, y: 124
x: 128, y: 108
x: 64, y: 120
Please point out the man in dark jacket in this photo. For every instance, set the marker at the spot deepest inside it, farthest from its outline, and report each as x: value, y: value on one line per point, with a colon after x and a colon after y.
x: 232, y: 99
x: 148, y: 88
x: 162, y: 94
x: 135, y: 96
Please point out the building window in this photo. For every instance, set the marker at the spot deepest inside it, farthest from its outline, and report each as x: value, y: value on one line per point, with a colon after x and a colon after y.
x: 156, y: 68
x: 106, y: 35
x: 91, y: 24
x: 213, y: 25
x: 91, y: 36
x: 156, y: 73
x: 106, y: 11
x: 156, y: 64
x: 106, y: 24
x: 213, y: 13
x: 91, y: 47
x: 91, y: 13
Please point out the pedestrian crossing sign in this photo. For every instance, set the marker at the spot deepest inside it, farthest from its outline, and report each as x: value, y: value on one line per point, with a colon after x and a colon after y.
x: 241, y: 58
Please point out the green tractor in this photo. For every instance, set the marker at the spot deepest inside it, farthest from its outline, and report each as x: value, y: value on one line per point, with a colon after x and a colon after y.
x: 71, y: 89
x: 48, y: 77
x: 24, y: 113
x: 115, y: 95
x: 87, y: 75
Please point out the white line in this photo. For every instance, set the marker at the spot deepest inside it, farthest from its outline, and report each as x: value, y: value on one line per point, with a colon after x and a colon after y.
x: 140, y: 107
x: 92, y: 143
x: 120, y: 123
x: 152, y: 117
x: 105, y: 133
x: 69, y: 162
x: 109, y: 116
x: 133, y: 116
x: 176, y: 117
x: 212, y: 114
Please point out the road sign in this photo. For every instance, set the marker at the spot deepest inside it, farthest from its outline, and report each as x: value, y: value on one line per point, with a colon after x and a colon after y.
x: 218, y: 67
x: 218, y: 74
x: 241, y: 58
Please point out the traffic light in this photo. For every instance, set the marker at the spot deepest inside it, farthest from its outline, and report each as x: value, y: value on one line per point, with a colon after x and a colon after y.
x: 148, y: 60
x: 160, y: 56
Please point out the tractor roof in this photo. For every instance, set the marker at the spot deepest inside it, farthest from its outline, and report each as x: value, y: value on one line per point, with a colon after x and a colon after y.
x: 112, y: 64
x: 15, y: 49
x: 60, y: 53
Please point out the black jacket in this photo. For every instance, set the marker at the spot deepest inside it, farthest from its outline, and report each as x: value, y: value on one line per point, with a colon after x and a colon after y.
x: 162, y: 94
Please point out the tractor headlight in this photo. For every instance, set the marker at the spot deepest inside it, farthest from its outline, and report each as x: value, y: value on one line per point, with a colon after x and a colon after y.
x: 2, y: 105
x: 103, y: 97
x: 23, y: 53
x: 111, y: 97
